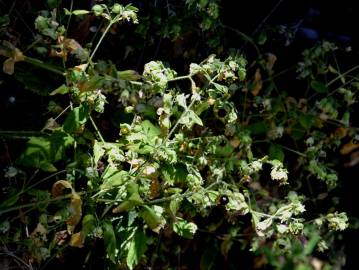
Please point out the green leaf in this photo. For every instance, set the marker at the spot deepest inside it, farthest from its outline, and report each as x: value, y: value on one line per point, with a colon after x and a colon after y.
x: 128, y: 75
x: 113, y: 177
x: 53, y: 3
x: 190, y: 118
x: 98, y: 10
x: 63, y: 89
x: 184, y: 228
x: 137, y: 248
x: 134, y: 199
x: 297, y: 131
x: 11, y: 199
x: 88, y: 225
x: 150, y: 131
x: 181, y: 100
x: 319, y: 87
x: 306, y: 120
x: 276, y: 152
x: 150, y: 217
x: 78, y: 12
x: 258, y: 128
x: 311, y: 244
x: 98, y: 151
x: 76, y: 118
x: 41, y: 152
x: 174, y: 173
x: 109, y: 239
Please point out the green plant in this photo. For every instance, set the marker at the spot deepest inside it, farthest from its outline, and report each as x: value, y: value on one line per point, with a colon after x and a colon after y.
x: 181, y: 151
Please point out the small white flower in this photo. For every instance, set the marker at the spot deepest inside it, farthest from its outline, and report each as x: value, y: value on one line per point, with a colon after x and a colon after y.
x: 256, y: 166
x: 279, y: 131
x: 11, y: 172
x: 279, y: 174
x: 149, y: 170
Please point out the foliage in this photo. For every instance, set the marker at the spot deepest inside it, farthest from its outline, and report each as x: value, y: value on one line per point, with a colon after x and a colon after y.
x: 220, y: 137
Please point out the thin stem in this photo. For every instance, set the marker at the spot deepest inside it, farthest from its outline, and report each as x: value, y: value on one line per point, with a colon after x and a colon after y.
x: 179, y: 120
x: 68, y: 22
x: 184, y: 195
x: 180, y: 78
x: 63, y: 111
x: 10, y: 134
x: 18, y: 259
x: 245, y: 37
x: 100, y: 41
x: 96, y: 129
x: 294, y: 151
x: 18, y: 207
x: 341, y: 75
x: 41, y: 64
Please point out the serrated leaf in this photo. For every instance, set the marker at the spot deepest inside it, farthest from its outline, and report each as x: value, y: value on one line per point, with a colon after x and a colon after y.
x: 98, y: 152
x: 150, y: 130
x: 113, y: 177
x: 76, y: 118
x: 151, y: 218
x: 137, y: 248
x: 190, y: 118
x: 174, y: 173
x: 181, y: 100
x: 184, y: 228
x: 109, y: 239
x: 134, y: 199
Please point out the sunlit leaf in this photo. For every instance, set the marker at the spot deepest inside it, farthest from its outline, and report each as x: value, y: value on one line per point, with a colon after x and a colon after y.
x: 136, y: 249
x: 184, y: 228
x: 76, y: 118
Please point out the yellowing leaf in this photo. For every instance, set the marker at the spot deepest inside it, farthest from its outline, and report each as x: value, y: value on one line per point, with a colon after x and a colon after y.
x: 75, y: 207
x: 59, y: 186
x: 257, y: 83
x: 348, y: 147
x: 76, y: 240
x: 14, y: 55
x: 75, y: 210
x: 271, y: 59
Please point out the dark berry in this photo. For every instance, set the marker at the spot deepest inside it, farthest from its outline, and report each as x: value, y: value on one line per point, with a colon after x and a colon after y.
x: 223, y: 200
x: 222, y: 112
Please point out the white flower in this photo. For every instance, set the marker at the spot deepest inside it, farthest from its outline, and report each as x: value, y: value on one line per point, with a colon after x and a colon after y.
x: 11, y: 172
x: 256, y: 166
x: 279, y: 174
x: 149, y: 170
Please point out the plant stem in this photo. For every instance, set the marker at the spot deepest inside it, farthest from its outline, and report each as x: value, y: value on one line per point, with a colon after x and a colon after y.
x: 99, y: 42
x: 294, y: 151
x: 10, y: 134
x: 180, y: 78
x: 341, y: 75
x: 96, y: 129
x: 41, y: 64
